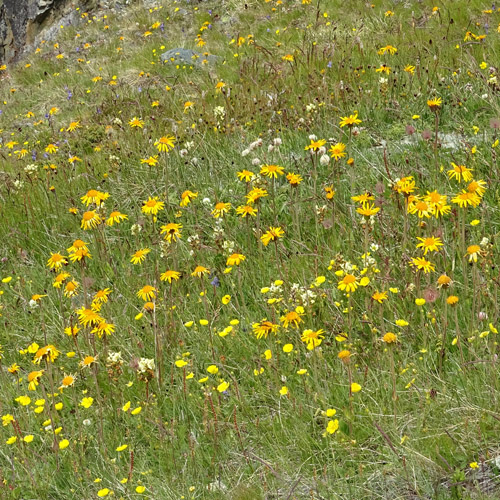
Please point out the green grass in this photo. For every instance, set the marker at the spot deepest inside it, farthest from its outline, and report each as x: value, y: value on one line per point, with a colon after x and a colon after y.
x: 264, y: 437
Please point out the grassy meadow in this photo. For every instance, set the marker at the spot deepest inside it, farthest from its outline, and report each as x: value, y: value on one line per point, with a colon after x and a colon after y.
x: 264, y: 266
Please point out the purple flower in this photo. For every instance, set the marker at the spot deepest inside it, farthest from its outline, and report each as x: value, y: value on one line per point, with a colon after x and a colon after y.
x: 215, y: 282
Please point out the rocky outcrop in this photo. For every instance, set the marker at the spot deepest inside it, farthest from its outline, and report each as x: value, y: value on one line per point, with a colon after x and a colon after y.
x: 21, y: 21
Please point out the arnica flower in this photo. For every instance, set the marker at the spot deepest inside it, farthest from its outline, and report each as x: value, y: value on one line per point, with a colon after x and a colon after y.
x: 430, y: 244
x: 200, y: 271
x: 34, y: 379
x: 170, y: 275
x: 263, y: 328
x: 350, y: 121
x: 221, y: 209
x: 101, y: 296
x: 244, y: 210
x: 444, y: 281
x: 147, y: 293
x: 312, y: 338
x: 465, y: 199
x: 272, y: 171
x: 72, y: 331
x: 60, y: 279
x: 255, y: 194
x: 337, y: 151
x: 477, y: 187
x: 379, y: 297
x: 172, y: 231
x: 272, y: 234
x: 88, y: 317
x: 103, y: 328
x: 90, y: 220
x: 390, y: 338
x: 235, y: 259
x: 294, y: 179
x: 460, y: 172
x: 67, y: 381
x: 139, y: 256
x: 56, y: 261
x: 348, y: 283
x: 473, y: 251
x: 315, y: 145
x: 329, y: 192
x: 77, y: 245
x: 14, y: 369
x: 405, y: 186
x: 434, y: 103
x: 389, y: 49
x: 152, y: 161
x: 136, y: 122
x: 88, y: 361
x: 452, y: 300
x: 368, y: 210
x: 422, y: 264
x: 48, y: 353
x: 80, y: 255
x: 71, y: 288
x: 245, y: 175
x: 115, y: 217
x: 94, y: 196
x: 165, y: 144
x: 420, y: 207
x: 187, y: 197
x: 363, y: 198
x: 152, y: 206
x: 293, y: 318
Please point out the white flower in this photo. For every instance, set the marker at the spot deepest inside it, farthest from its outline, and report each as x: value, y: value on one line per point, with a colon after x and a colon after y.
x: 135, y: 229
x: 277, y: 141
x: 256, y: 162
x: 86, y: 422
x: 324, y: 160
x: 245, y: 152
x: 484, y: 242
x: 145, y: 364
x: 32, y: 303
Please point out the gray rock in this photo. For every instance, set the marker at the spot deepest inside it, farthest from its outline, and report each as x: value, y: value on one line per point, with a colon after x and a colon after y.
x: 186, y: 56
x: 21, y: 21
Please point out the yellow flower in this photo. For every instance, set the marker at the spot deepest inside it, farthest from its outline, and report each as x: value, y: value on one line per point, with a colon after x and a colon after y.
x: 152, y: 206
x: 332, y: 426
x: 223, y: 386
x: 63, y: 444
x: 87, y: 402
x: 122, y: 447
x: 350, y: 121
x: 165, y: 143
x: 226, y: 299
x: 90, y: 220
x: 103, y: 493
x: 337, y: 151
x: 272, y: 234
x: 221, y: 209
x: 434, y: 103
x: 355, y: 387
x: 348, y: 283
x: 147, y: 293
x: 139, y: 256
x: 390, y: 338
x: 272, y: 171
x: 284, y: 390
